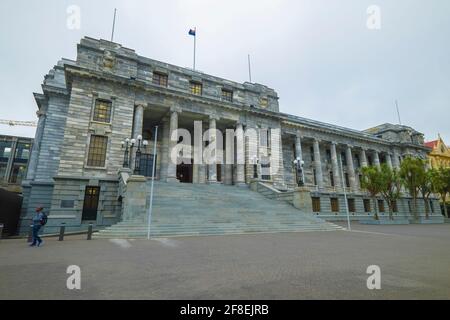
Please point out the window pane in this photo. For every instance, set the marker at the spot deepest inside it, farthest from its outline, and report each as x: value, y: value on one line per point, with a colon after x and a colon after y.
x: 196, y: 88
x: 102, y: 111
x: 17, y: 174
x: 160, y: 79
x: 227, y: 95
x: 97, y: 151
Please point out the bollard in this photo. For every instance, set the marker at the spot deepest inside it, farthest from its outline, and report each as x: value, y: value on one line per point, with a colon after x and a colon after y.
x: 30, y: 234
x: 89, y: 234
x: 62, y: 229
x: 1, y: 229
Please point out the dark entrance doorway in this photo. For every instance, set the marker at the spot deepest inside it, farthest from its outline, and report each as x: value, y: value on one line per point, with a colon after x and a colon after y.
x: 91, y: 197
x: 184, y: 172
x: 146, y: 165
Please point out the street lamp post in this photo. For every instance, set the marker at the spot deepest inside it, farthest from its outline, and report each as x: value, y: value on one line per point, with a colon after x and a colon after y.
x: 298, y: 163
x: 127, y: 144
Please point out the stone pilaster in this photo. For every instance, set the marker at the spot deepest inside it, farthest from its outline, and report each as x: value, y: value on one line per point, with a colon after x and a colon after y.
x: 32, y: 163
x: 396, y: 161
x: 335, y: 166
x: 350, y: 168
x: 318, y: 164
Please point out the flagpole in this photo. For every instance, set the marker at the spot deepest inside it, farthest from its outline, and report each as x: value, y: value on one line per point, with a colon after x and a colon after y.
x: 114, y: 25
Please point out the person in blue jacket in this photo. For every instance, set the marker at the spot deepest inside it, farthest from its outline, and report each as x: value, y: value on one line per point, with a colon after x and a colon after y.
x: 38, y: 219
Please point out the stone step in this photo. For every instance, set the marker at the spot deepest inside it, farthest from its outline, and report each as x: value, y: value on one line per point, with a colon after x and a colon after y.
x: 187, y: 209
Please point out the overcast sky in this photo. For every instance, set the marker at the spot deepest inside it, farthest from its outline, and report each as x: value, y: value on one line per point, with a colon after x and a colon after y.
x: 319, y: 55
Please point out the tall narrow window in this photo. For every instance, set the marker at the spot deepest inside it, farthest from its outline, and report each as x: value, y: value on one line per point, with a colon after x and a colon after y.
x: 344, y: 159
x: 196, y: 88
x: 102, y: 111
x: 97, y: 151
x: 347, y: 180
x: 227, y: 95
x: 311, y: 151
x: 331, y: 179
x: 160, y: 79
x: 381, y: 205
x: 351, y: 205
x: 264, y: 102
x: 334, y: 205
x: 316, y: 204
x: 367, y: 205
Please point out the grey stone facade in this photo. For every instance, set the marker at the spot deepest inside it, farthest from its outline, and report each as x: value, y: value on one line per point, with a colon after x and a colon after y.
x: 59, y: 171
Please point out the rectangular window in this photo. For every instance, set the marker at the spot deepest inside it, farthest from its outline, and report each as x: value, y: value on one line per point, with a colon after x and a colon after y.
x: 347, y: 180
x: 311, y: 150
x: 196, y: 88
x: 265, y: 168
x: 227, y: 95
x: 394, y: 206
x: 3, y: 170
x: 97, y: 151
x: 22, y: 152
x: 334, y: 204
x: 17, y: 173
x: 160, y: 79
x: 358, y: 162
x: 367, y: 205
x: 351, y: 205
x: 264, y: 103
x: 102, y: 111
x: 5, y: 150
x: 315, y: 177
x: 331, y: 179
x: 316, y: 204
x: 328, y: 155
x: 381, y: 206
x: 369, y: 160
x: 344, y: 159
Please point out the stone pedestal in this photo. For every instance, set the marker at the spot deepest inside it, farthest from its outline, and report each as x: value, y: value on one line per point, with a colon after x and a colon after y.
x: 302, y: 199
x: 135, y: 200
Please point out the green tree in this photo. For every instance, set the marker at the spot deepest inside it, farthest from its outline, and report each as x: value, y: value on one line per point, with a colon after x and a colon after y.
x: 426, y: 189
x: 371, y: 182
x: 440, y: 182
x: 390, y: 187
x: 412, y: 172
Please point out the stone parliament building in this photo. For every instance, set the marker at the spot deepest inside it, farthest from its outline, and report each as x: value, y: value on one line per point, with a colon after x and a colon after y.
x: 90, y: 106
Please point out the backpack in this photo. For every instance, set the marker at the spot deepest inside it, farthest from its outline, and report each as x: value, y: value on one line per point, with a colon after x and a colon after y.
x: 44, y: 219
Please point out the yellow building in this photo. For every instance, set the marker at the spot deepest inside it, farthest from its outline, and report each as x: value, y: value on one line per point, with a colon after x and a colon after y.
x: 440, y: 154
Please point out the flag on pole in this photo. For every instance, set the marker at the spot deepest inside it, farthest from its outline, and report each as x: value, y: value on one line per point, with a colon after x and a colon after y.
x: 192, y: 32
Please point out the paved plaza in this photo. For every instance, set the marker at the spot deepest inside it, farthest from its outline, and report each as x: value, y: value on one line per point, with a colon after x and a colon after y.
x: 414, y: 262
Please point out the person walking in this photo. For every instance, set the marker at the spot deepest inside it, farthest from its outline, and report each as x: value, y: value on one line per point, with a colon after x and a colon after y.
x: 39, y: 219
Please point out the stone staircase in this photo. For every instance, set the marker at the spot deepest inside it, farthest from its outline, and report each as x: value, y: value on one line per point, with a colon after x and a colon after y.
x: 188, y: 209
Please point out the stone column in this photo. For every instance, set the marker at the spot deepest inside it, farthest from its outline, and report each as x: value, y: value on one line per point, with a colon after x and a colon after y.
x: 335, y: 166
x: 318, y: 164
x: 164, y: 149
x: 229, y: 160
x: 240, y: 155
x: 350, y: 168
x: 138, y: 123
x: 212, y: 166
x: 389, y: 160
x: 376, y: 159
x: 32, y: 163
x: 396, y: 161
x: 172, y: 163
x: 363, y: 158
x: 298, y: 146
